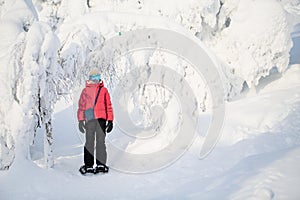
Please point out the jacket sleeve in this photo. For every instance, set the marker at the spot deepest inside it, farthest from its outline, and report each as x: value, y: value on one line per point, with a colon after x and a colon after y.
x: 108, y: 106
x: 81, y: 106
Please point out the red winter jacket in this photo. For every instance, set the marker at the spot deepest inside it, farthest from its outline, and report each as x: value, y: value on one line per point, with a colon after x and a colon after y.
x: 103, y: 108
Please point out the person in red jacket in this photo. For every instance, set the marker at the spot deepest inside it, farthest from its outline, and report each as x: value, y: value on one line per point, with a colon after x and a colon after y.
x: 97, y: 127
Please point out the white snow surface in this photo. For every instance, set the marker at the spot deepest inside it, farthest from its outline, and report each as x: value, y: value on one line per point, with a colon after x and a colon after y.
x: 256, y: 158
x: 46, y: 48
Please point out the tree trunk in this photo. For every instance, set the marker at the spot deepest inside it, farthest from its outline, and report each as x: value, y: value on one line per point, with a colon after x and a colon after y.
x: 48, y: 140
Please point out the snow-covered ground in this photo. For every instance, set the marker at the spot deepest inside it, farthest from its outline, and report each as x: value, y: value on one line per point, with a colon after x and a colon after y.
x: 258, y: 157
x: 46, y: 45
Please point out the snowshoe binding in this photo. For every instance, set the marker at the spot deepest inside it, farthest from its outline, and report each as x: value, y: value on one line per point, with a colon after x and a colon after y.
x: 86, y: 170
x: 101, y: 169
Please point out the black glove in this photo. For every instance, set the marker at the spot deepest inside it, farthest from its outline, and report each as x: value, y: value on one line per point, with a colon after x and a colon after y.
x: 109, y: 126
x: 81, y: 126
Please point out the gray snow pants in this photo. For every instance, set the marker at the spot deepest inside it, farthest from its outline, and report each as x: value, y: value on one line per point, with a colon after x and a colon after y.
x: 95, y: 129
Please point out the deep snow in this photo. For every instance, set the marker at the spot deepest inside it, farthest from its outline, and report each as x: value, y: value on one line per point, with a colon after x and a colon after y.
x: 257, y: 156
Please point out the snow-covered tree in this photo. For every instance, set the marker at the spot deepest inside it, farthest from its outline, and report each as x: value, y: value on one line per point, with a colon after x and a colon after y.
x: 32, y: 80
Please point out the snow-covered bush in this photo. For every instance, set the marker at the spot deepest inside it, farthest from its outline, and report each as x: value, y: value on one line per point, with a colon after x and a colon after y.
x: 256, y: 40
